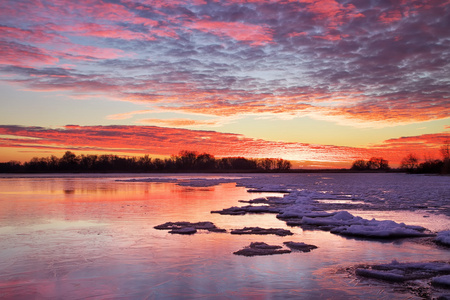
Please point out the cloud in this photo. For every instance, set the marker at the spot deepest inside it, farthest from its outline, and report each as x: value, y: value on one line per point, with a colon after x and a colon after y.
x: 168, y: 141
x: 179, y: 122
x: 418, y: 143
x: 365, y: 61
x: 16, y: 54
x: 128, y: 115
x: 255, y: 35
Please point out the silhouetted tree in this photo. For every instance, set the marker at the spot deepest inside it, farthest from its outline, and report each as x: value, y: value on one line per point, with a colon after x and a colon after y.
x: 88, y: 162
x: 145, y: 163
x: 430, y: 166
x: 53, y: 163
x: 359, y: 165
x: 69, y: 162
x: 377, y: 163
x: 283, y: 165
x: 205, y: 161
x: 445, y: 151
x: 409, y: 163
x: 241, y: 163
x: 11, y: 167
x: 185, y: 161
x: 267, y: 164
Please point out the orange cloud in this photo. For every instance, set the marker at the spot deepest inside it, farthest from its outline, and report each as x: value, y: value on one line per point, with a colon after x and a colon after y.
x: 167, y: 141
x: 418, y: 143
x: 424, y: 146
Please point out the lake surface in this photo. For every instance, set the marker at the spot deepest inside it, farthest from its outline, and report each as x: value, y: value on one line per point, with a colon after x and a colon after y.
x: 91, y: 236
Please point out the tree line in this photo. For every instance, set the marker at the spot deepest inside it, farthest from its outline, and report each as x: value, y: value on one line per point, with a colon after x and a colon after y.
x: 409, y: 164
x: 412, y: 164
x: 375, y: 163
x: 185, y: 161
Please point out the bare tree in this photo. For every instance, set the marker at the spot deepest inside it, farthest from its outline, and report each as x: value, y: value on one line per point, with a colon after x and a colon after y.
x: 445, y: 151
x: 410, y: 162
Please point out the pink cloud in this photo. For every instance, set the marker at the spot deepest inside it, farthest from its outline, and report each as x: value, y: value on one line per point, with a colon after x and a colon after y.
x: 351, y: 59
x: 178, y: 122
x: 255, y: 35
x: 91, y: 52
x: 295, y: 34
x: 23, y: 55
x: 26, y: 54
x: 34, y: 36
x: 128, y: 115
x: 102, y: 31
x: 333, y: 11
x: 391, y: 16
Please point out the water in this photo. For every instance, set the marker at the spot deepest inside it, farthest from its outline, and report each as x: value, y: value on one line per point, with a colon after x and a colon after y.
x: 78, y: 237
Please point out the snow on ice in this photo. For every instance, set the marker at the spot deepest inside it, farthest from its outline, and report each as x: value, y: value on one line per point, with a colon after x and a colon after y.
x: 443, y: 237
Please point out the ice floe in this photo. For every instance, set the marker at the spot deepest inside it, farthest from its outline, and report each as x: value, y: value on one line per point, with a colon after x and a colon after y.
x: 442, y: 281
x: 269, y: 190
x: 260, y: 248
x: 344, y: 223
x: 443, y: 238
x: 300, y: 246
x: 188, y: 227
x: 242, y: 210
x: 298, y: 206
x: 300, y: 211
x: 259, y: 230
x: 397, y: 272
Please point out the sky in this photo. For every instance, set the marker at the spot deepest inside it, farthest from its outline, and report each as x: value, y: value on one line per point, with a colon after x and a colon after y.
x: 320, y: 83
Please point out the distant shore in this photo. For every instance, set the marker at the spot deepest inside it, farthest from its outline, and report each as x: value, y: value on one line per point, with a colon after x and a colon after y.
x: 293, y: 171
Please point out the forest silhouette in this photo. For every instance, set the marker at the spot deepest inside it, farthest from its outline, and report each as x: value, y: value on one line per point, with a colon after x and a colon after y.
x: 185, y: 161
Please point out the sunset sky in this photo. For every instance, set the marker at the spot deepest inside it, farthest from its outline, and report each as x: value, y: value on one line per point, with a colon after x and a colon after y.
x: 317, y: 82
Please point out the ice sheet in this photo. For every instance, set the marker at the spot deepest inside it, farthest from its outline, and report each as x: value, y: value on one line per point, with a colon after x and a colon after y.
x: 81, y: 237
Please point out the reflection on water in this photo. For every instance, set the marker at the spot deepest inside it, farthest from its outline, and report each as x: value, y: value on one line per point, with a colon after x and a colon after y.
x: 339, y: 201
x: 93, y: 237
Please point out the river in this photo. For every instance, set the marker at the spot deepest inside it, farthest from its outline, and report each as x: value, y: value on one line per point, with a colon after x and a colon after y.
x: 65, y: 236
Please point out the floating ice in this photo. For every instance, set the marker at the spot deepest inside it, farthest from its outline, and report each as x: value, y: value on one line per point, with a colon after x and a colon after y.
x: 443, y: 237
x: 345, y: 223
x: 393, y: 275
x: 443, y: 281
x: 260, y: 248
x: 400, y: 272
x: 300, y: 211
x: 236, y: 210
x: 268, y: 190
x: 258, y: 230
x: 380, y: 229
x: 188, y: 227
x: 298, y: 206
x: 256, y: 201
x: 300, y: 246
x: 184, y: 230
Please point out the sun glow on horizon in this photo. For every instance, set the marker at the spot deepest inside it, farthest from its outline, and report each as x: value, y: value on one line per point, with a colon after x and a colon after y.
x: 319, y: 81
